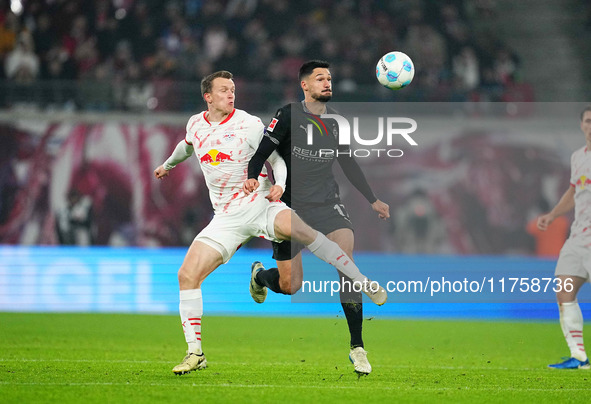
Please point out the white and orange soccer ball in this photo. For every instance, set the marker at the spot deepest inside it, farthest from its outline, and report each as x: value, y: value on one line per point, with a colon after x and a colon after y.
x: 395, y: 70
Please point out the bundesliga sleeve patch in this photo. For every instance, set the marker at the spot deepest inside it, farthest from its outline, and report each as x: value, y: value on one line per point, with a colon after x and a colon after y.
x: 272, y: 125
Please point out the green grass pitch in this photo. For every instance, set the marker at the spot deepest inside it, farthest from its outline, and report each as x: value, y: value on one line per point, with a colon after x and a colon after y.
x: 110, y: 358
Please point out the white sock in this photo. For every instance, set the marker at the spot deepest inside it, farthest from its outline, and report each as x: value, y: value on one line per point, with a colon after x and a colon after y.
x: 571, y: 322
x: 329, y: 251
x: 191, y: 310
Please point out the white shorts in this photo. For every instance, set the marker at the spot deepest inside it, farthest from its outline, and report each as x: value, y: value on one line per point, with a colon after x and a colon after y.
x: 574, y: 260
x: 228, y: 231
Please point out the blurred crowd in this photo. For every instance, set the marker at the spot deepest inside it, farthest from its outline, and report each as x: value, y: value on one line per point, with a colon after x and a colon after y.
x: 135, y: 50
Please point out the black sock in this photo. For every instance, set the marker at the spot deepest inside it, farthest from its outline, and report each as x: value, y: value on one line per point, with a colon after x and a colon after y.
x: 353, y: 309
x: 270, y: 279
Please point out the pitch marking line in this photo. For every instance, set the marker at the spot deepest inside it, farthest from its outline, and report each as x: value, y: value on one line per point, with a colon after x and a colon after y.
x: 542, y: 368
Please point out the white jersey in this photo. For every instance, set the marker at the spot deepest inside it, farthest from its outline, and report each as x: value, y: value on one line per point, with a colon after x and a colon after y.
x: 224, y: 150
x: 580, y: 178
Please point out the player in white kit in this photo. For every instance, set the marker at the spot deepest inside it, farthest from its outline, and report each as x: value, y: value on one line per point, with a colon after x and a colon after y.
x: 224, y: 140
x: 574, y: 263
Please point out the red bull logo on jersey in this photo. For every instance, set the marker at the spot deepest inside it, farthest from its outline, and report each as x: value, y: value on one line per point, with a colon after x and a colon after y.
x: 583, y: 182
x: 215, y: 157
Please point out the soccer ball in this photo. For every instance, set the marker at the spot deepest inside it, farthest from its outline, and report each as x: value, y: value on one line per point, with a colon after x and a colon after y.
x: 395, y: 70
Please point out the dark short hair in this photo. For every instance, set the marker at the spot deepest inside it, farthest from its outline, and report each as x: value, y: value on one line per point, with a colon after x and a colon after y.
x: 587, y: 108
x: 207, y: 81
x: 308, y: 67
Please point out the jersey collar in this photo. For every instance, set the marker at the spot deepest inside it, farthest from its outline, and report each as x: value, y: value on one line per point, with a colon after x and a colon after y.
x: 222, y: 122
x: 306, y: 110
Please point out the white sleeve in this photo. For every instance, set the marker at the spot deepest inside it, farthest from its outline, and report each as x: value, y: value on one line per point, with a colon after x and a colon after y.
x: 181, y: 152
x: 189, y: 129
x: 255, y: 134
x: 279, y: 169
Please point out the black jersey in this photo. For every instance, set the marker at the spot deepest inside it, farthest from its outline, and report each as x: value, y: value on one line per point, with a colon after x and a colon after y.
x: 310, y: 180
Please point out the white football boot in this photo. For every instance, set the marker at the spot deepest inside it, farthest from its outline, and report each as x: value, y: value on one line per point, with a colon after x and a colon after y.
x: 191, y: 362
x: 358, y: 357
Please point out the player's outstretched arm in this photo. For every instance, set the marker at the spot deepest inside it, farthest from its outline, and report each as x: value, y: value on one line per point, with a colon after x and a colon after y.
x: 564, y: 205
x: 182, y: 151
x: 355, y: 175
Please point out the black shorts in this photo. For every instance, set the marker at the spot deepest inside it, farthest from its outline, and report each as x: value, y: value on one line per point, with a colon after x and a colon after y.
x: 324, y: 218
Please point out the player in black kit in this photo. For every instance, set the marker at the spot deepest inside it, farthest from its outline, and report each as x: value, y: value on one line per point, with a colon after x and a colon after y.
x: 313, y: 193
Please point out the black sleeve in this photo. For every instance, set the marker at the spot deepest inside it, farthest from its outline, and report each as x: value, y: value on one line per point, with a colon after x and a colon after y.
x: 278, y: 130
x: 356, y: 177
x: 256, y: 163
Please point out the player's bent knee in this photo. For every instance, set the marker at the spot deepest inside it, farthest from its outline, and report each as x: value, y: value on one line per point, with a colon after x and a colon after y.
x: 568, y: 288
x: 190, y: 276
x: 290, y: 286
x: 186, y: 279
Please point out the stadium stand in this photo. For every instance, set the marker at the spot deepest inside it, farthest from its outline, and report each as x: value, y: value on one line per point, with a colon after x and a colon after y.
x: 150, y: 55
